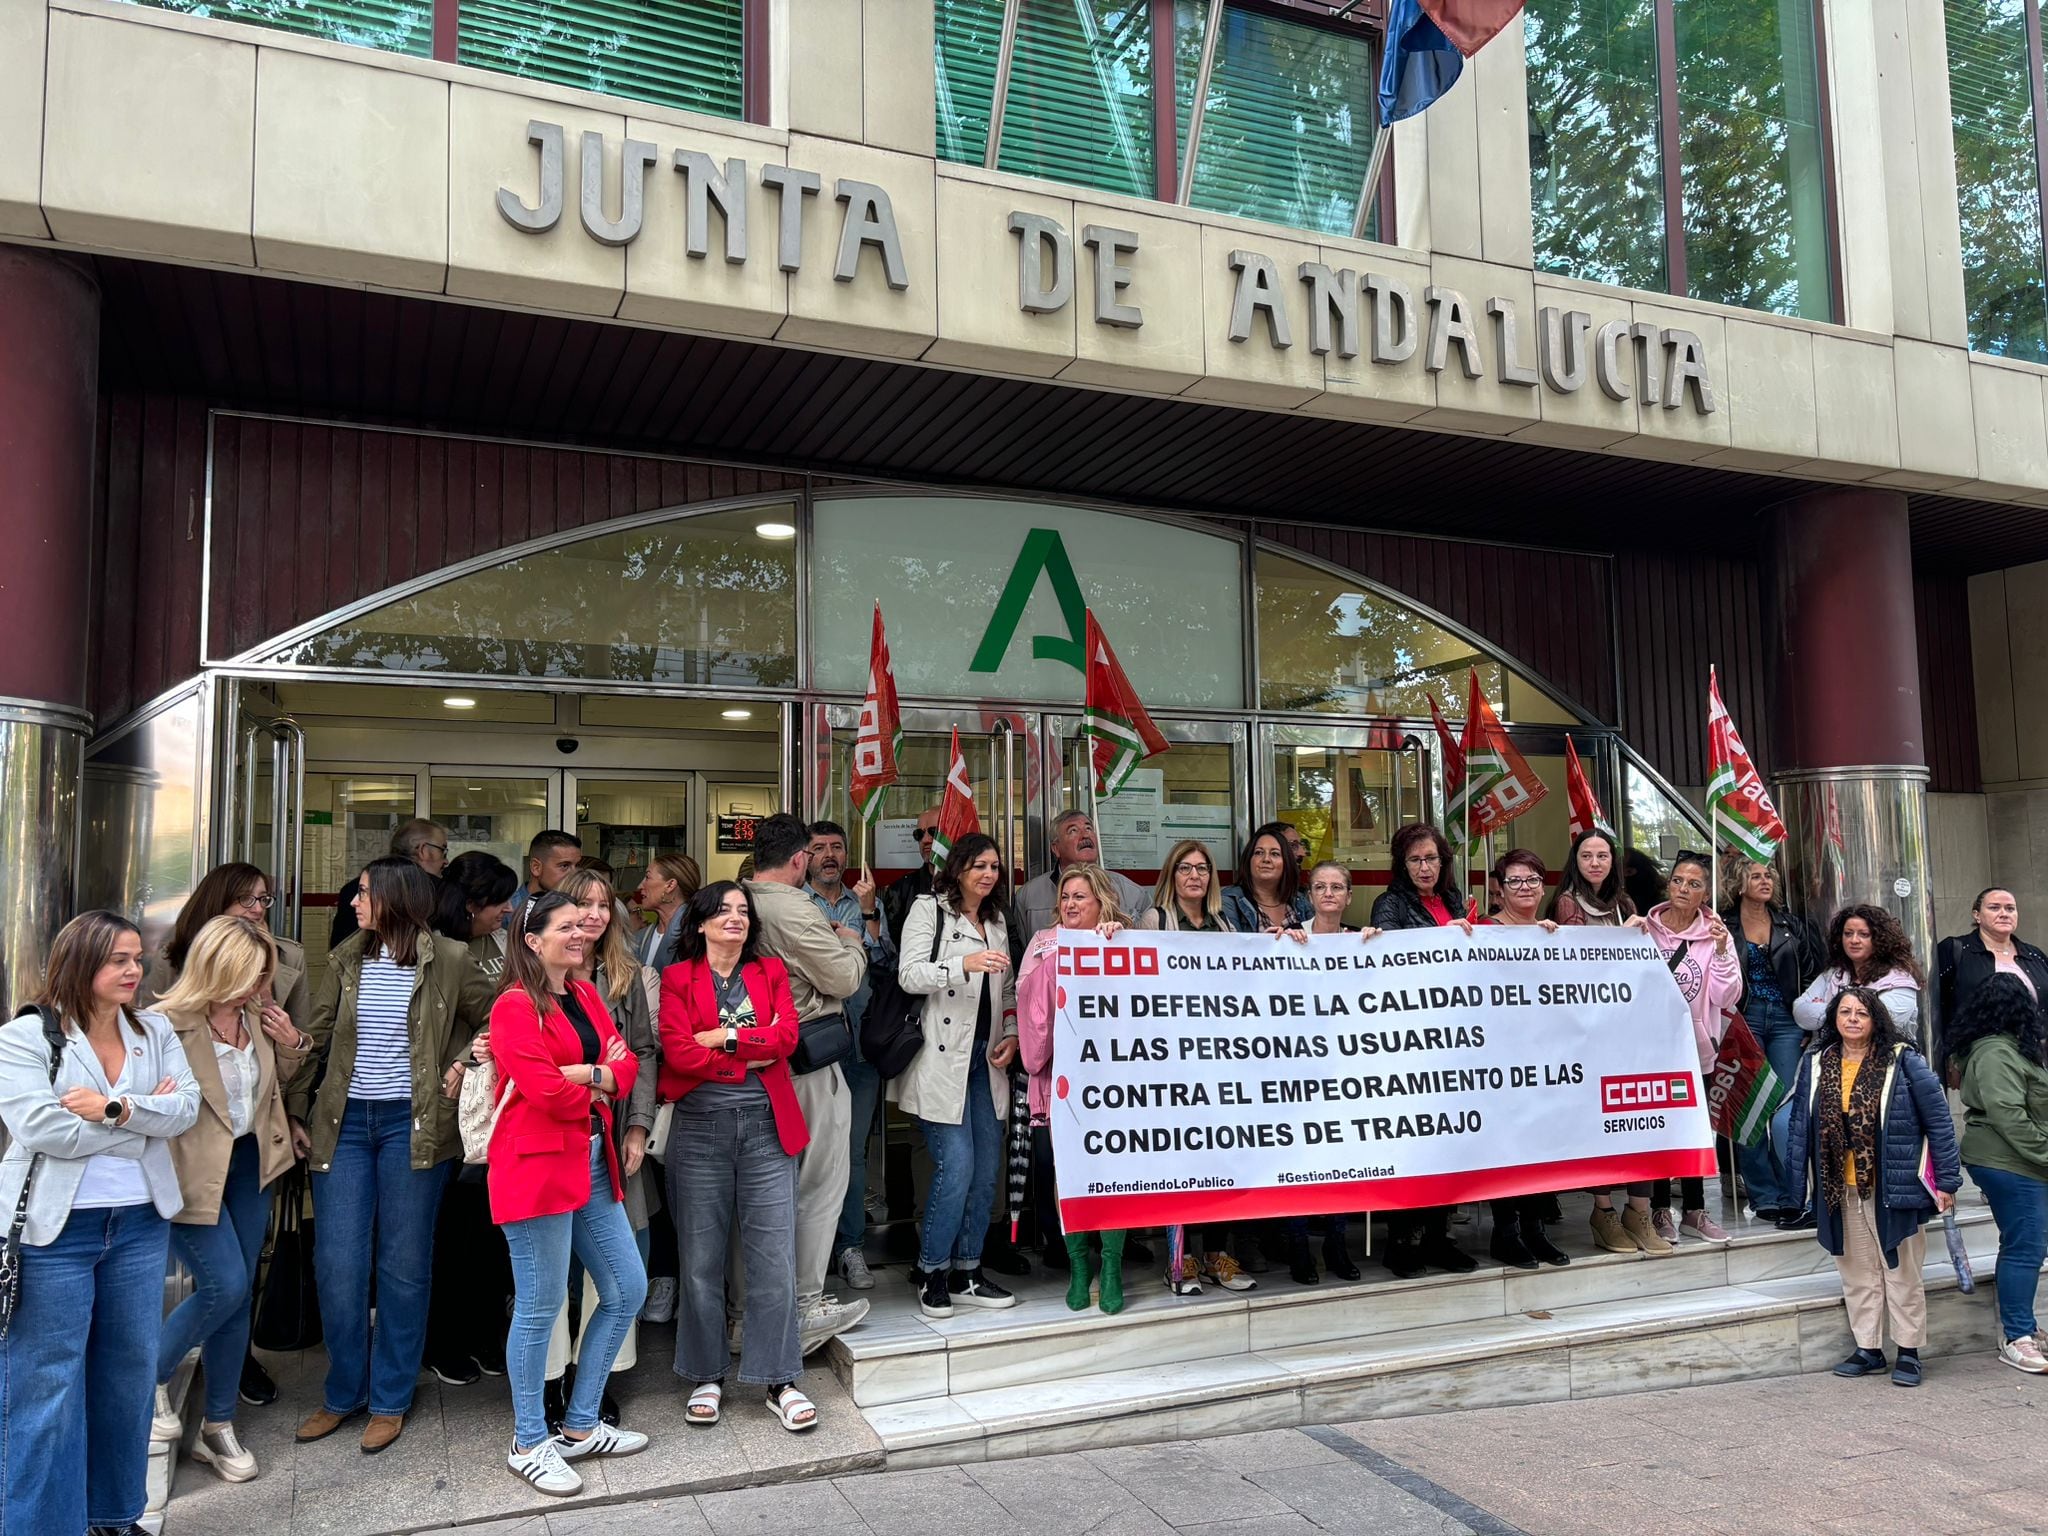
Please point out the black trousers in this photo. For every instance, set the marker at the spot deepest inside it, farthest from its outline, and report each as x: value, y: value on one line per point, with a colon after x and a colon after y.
x: 468, y: 1310
x: 1429, y: 1223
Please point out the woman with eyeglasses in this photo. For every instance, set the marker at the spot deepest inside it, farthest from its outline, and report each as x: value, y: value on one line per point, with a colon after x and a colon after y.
x: 1422, y: 893
x: 1781, y: 954
x: 1697, y: 946
x: 1519, y: 1241
x: 1268, y: 897
x: 234, y: 890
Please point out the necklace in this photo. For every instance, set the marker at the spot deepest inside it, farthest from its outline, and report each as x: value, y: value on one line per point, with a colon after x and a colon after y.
x: 231, y: 1037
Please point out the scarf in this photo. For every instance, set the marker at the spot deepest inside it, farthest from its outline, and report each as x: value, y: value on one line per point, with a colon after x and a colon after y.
x: 1855, y: 1131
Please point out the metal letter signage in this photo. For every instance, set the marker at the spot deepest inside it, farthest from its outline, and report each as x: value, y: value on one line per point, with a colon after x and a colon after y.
x: 1034, y: 294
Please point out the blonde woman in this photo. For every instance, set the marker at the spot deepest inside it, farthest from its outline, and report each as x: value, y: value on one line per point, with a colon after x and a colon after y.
x: 1084, y: 899
x: 241, y: 1046
x: 632, y: 996
x: 671, y: 880
x: 1189, y: 896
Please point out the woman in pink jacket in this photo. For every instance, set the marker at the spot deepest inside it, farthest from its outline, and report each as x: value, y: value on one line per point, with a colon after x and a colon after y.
x: 1695, y: 944
x: 1085, y: 900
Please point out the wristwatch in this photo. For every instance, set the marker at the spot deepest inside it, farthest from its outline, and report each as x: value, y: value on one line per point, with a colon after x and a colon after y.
x: 115, y: 1109
x: 732, y: 1040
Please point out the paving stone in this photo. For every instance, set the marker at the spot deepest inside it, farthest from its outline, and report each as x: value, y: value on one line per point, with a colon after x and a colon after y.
x: 1344, y: 1498
x: 1213, y: 1493
x: 1269, y: 1449
x: 668, y: 1517
x: 804, y: 1507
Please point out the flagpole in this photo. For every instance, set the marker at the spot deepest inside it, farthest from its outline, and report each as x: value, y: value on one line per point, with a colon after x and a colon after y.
x: 1373, y: 167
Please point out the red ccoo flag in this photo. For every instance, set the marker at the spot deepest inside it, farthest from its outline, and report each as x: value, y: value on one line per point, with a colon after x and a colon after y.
x: 1586, y: 812
x: 1499, y: 784
x: 957, y: 816
x: 1737, y: 801
x: 1452, y: 749
x: 1123, y: 735
x: 878, y: 740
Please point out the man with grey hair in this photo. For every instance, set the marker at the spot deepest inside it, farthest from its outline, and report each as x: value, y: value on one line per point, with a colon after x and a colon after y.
x: 1073, y: 842
x: 424, y: 842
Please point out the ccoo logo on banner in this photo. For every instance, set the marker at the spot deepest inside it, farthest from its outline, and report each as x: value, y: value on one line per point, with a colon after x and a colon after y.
x: 1212, y: 1077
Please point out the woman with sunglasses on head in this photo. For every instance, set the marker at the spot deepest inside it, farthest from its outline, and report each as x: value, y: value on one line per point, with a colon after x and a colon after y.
x: 1519, y: 1240
x: 1422, y: 893
x: 1696, y: 945
x: 556, y: 1185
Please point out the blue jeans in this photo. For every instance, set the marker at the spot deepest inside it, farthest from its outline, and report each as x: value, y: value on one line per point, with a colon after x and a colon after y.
x: 726, y: 1171
x: 865, y: 1084
x: 1770, y: 1168
x: 599, y: 1234
x: 222, y: 1260
x: 374, y: 1208
x: 966, y: 1161
x: 2020, y: 1207
x: 77, y: 1371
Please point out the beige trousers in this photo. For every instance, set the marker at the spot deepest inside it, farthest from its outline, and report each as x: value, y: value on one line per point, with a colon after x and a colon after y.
x: 1872, y: 1292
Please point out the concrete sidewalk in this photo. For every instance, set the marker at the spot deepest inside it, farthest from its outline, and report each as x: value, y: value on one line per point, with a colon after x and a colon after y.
x: 1795, y: 1454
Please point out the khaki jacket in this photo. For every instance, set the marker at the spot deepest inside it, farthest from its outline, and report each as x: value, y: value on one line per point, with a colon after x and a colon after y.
x: 288, y: 986
x: 451, y: 1001
x: 824, y: 969
x: 201, y: 1155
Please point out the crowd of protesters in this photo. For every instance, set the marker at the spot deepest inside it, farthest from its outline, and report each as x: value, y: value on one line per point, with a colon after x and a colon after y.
x: 679, y: 1117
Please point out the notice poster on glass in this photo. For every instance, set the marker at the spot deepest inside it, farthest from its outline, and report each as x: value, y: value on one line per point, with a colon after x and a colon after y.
x: 895, y: 847
x: 1210, y: 824
x: 1128, y: 823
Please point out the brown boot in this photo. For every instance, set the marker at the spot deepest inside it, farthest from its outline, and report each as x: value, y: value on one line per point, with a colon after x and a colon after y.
x: 382, y: 1429
x: 322, y: 1423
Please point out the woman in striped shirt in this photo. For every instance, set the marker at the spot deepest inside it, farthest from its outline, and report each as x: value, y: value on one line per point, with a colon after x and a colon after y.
x: 396, y: 1012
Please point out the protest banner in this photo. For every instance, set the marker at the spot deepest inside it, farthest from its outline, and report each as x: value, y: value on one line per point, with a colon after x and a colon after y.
x: 1224, y: 1077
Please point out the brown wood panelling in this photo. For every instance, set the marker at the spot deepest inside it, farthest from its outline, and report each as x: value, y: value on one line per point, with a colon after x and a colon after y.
x: 1675, y: 615
x: 311, y: 516
x: 1548, y: 609
x: 1948, y: 683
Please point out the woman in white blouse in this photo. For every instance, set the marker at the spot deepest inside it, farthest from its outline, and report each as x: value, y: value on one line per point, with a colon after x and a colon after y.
x: 241, y: 1047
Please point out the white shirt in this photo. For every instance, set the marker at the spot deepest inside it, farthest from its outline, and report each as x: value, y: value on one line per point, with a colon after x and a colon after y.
x: 238, y: 1074
x: 110, y: 1179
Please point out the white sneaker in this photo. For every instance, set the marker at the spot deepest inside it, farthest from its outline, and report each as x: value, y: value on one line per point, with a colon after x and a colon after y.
x: 605, y: 1440
x: 661, y: 1300
x: 168, y: 1424
x: 218, y: 1448
x: 544, y: 1468
x: 853, y: 1269
x: 826, y: 1318
x: 2023, y: 1354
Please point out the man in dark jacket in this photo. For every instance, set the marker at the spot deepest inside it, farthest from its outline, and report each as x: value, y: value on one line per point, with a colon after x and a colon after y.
x: 424, y: 842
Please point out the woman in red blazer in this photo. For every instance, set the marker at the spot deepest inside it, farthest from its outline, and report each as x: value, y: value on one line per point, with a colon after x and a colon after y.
x: 727, y: 1028
x: 555, y: 1183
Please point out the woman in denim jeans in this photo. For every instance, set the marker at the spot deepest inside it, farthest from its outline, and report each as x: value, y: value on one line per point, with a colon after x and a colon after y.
x: 91, y: 1093
x: 556, y: 1185
x: 958, y: 1085
x: 728, y: 1024
x: 240, y: 1045
x: 1780, y: 953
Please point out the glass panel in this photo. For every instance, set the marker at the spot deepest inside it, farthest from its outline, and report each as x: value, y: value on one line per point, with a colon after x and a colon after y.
x: 138, y: 821
x: 1325, y: 644
x: 1750, y: 164
x: 1347, y: 794
x: 681, y: 53
x: 730, y: 814
x: 394, y: 26
x: 447, y: 706
x: 1289, y: 123
x: 720, y: 596
x: 1079, y: 107
x: 1190, y: 790
x: 627, y: 822
x: 1596, y: 165
x: 496, y: 815
x: 1997, y: 177
x: 984, y: 600
x: 349, y: 821
x: 1658, y: 827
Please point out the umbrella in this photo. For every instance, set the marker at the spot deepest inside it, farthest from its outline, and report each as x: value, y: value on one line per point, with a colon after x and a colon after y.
x: 1958, y: 1255
x: 1020, y: 1147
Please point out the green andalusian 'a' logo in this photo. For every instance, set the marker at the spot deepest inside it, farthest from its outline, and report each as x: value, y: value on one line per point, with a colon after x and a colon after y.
x: 1042, y: 554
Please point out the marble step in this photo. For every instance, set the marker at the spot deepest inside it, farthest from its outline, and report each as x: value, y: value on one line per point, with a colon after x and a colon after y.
x: 1769, y: 1327
x: 900, y: 1356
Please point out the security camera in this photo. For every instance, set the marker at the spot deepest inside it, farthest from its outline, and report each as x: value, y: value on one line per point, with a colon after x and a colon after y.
x: 566, y: 744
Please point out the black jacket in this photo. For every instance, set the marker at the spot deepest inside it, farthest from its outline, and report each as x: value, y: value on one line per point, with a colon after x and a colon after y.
x: 1798, y: 952
x: 897, y: 897
x: 1962, y: 965
x: 1400, y: 907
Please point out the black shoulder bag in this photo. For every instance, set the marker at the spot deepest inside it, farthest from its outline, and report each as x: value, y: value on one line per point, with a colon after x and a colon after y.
x: 892, y: 1030
x: 287, y: 1315
x: 10, y: 1247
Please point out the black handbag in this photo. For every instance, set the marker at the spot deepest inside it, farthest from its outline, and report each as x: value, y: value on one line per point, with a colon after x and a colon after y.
x: 892, y: 1030
x: 288, y: 1304
x: 10, y: 1246
x: 820, y: 1043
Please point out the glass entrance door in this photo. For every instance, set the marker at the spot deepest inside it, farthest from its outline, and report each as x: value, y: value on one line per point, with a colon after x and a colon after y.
x: 1347, y: 789
x: 1196, y: 788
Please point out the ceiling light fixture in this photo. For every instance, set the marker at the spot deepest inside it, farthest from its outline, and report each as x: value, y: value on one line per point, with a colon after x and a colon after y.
x: 736, y: 714
x: 776, y: 530
x: 457, y: 701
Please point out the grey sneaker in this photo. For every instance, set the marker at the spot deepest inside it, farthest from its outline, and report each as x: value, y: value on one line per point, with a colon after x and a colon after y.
x: 660, y: 1306
x: 853, y: 1269
x: 218, y: 1448
x: 825, y: 1319
x: 166, y: 1424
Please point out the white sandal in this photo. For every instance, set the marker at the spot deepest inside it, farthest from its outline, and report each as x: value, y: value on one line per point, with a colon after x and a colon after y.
x: 788, y: 1404
x: 707, y: 1397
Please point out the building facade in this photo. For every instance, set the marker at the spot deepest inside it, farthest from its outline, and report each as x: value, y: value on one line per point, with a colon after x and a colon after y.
x: 513, y: 413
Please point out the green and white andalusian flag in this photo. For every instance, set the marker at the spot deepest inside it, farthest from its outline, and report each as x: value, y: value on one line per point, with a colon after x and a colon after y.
x: 1736, y: 798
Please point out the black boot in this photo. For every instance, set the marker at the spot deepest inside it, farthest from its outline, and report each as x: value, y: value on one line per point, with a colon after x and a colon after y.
x: 1301, y: 1263
x: 554, y: 1401
x: 1337, y: 1258
x: 257, y: 1389
x: 1507, y: 1246
x: 1054, y: 1254
x: 1536, y: 1240
x: 1403, y: 1257
x: 1438, y: 1251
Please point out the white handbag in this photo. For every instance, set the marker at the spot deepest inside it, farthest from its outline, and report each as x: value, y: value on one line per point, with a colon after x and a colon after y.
x: 477, y: 1111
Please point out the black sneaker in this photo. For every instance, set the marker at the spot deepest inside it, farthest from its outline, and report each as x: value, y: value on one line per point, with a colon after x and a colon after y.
x: 1797, y: 1221
x: 460, y: 1371
x: 934, y: 1298
x: 971, y: 1288
x: 257, y: 1389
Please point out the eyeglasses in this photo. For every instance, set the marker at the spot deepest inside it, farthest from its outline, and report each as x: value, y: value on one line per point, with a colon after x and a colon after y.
x: 441, y: 848
x: 1191, y: 867
x: 1522, y: 882
x: 1330, y: 888
x: 1422, y: 860
x: 261, y: 903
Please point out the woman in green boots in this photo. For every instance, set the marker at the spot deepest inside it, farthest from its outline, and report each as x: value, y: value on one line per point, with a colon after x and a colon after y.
x: 1085, y: 900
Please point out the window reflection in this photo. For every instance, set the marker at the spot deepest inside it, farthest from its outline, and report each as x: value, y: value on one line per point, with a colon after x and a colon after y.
x: 139, y: 821
x: 1997, y: 177
x: 394, y: 26
x: 697, y: 600
x: 681, y: 53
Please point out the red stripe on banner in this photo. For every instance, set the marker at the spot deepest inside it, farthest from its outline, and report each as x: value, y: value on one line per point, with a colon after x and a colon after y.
x: 1193, y: 1207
